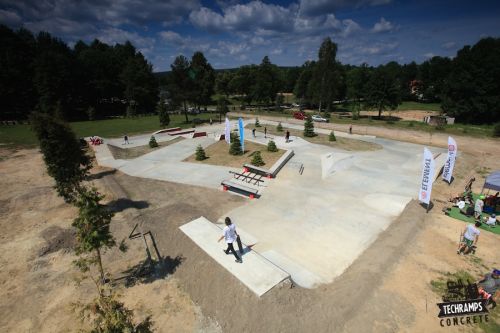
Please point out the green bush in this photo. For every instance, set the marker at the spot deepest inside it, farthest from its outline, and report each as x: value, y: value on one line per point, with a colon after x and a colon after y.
x: 332, y: 137
x: 309, y: 127
x: 496, y: 130
x: 235, y: 148
x: 440, y: 127
x: 279, y: 128
x: 200, y: 153
x: 257, y: 159
x: 152, y: 142
x: 257, y: 123
x: 271, y: 146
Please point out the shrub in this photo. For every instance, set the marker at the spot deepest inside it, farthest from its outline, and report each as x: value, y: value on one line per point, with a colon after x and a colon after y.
x: 496, y: 130
x: 440, y: 127
x: 279, y: 128
x: 257, y: 159
x: 332, y: 137
x: 161, y: 108
x: 200, y: 153
x: 257, y: 123
x: 271, y: 146
x: 235, y: 148
x: 152, y: 142
x: 309, y: 127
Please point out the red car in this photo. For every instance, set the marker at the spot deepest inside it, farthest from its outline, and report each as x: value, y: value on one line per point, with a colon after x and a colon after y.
x: 299, y: 115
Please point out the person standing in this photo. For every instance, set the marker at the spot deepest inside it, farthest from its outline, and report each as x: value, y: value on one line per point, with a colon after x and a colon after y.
x: 229, y: 234
x: 470, y: 238
x: 287, y: 136
x: 125, y: 139
x: 265, y: 132
x: 478, y: 207
x: 253, y: 132
x: 350, y: 129
x: 210, y: 121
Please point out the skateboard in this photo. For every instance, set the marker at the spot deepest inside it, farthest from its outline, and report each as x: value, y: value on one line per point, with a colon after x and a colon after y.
x: 240, y: 245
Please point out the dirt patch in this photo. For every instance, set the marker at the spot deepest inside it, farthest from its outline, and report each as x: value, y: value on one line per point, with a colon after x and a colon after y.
x: 134, y: 152
x: 218, y: 154
x: 56, y: 239
x: 322, y: 139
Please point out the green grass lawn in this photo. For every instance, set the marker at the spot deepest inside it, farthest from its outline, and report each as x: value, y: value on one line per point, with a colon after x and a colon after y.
x: 21, y: 135
x: 419, y: 106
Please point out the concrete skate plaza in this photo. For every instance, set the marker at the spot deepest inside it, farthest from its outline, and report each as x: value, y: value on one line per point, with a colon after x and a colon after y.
x: 314, y: 225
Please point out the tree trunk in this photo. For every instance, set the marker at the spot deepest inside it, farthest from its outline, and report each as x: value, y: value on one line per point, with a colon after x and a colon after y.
x: 101, y: 270
x: 185, y: 112
x: 379, y: 112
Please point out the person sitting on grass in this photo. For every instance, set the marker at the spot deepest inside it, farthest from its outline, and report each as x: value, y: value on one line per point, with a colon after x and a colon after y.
x: 491, y: 221
x: 470, y: 238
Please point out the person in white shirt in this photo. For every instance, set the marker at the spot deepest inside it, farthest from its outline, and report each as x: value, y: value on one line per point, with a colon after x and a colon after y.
x: 491, y: 221
x: 478, y: 207
x: 470, y: 238
x: 229, y: 234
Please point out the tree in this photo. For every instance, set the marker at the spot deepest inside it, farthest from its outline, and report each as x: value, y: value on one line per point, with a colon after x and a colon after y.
x: 181, y: 84
x: 279, y: 101
x: 271, y: 146
x: 266, y: 83
x: 222, y: 83
x: 257, y: 159
x: 141, y: 87
x: 301, y: 89
x: 222, y: 108
x: 203, y: 76
x: 332, y: 137
x: 309, y: 127
x: 235, y: 148
x: 383, y: 90
x: 356, y: 82
x: 279, y: 128
x: 152, y: 142
x: 92, y: 228
x: 65, y: 159
x: 162, y: 111
x: 471, y: 93
x: 200, y: 153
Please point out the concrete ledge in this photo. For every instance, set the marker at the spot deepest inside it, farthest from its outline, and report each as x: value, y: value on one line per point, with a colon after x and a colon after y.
x: 256, y: 272
x: 167, y: 130
x: 274, y: 169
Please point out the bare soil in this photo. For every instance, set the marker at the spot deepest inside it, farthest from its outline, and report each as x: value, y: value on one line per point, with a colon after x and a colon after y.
x: 130, y: 153
x: 387, y: 289
x: 218, y: 154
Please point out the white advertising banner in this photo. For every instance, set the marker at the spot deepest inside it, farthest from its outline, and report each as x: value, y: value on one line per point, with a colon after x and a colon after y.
x: 428, y: 165
x: 450, y: 161
x: 227, y: 132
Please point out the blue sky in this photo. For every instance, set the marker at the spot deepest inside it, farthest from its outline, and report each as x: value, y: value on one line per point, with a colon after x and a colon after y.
x: 232, y: 33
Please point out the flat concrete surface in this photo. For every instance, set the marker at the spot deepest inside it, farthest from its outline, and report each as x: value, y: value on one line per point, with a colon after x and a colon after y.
x: 256, y: 272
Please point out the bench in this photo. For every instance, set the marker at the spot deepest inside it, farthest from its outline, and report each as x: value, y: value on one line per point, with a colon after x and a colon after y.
x: 271, y: 173
x: 199, y: 134
x: 239, y: 188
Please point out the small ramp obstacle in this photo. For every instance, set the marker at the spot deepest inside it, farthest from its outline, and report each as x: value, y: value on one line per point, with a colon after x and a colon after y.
x: 271, y: 173
x: 256, y: 273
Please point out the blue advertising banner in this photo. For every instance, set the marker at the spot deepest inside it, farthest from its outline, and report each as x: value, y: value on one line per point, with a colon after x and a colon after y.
x: 242, y: 134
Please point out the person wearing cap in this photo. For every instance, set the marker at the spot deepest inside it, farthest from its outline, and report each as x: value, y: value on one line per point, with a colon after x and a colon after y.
x: 478, y: 207
x: 491, y: 283
x: 491, y: 221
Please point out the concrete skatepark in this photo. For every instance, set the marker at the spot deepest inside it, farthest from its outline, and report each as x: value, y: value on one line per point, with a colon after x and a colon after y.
x: 308, y: 226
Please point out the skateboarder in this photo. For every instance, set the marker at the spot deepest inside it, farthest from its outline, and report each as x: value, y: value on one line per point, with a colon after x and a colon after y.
x: 253, y: 132
x: 265, y: 132
x: 125, y: 139
x: 287, y: 136
x: 229, y: 234
x: 470, y: 238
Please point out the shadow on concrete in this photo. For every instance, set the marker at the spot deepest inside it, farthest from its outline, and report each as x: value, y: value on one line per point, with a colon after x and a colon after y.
x: 122, y: 204
x: 102, y: 174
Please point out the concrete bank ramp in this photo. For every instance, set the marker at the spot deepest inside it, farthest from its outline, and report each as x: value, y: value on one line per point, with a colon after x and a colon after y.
x: 256, y: 272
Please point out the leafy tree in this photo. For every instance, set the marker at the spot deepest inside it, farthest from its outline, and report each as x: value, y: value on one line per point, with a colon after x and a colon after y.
x: 271, y: 146
x: 91, y: 113
x: 257, y: 123
x: 266, y: 83
x: 92, y: 228
x: 65, y: 159
x: 141, y: 87
x: 302, y: 89
x: 200, y: 153
x: 222, y: 83
x: 383, y: 90
x: 496, y: 130
x: 309, y: 127
x: 152, y: 142
x: 257, y: 159
x: 161, y: 108
x: 471, y: 93
x: 203, y: 76
x: 356, y: 81
x: 131, y: 111
x: 244, y: 81
x: 222, y: 108
x: 181, y: 83
x: 279, y: 128
x: 235, y: 148
x: 279, y: 101
x: 332, y: 137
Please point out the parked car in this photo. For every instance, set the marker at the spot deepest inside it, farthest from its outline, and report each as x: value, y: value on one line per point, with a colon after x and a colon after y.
x: 320, y: 119
x: 299, y: 115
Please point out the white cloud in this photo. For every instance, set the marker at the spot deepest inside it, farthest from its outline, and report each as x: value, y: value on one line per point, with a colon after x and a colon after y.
x: 429, y: 55
x: 171, y: 37
x: 318, y: 7
x: 114, y: 35
x: 10, y: 18
x: 382, y: 26
x: 277, y: 51
x: 449, y: 45
x: 378, y: 48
